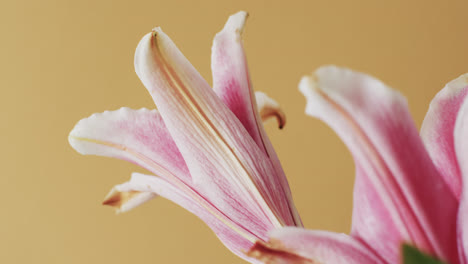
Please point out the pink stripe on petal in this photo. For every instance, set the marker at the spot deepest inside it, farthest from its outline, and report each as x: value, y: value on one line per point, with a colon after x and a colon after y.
x: 138, y: 136
x: 462, y: 229
x: 372, y: 221
x: 233, y: 236
x: 437, y: 130
x: 292, y: 245
x: 231, y: 82
x: 373, y: 120
x: 461, y: 150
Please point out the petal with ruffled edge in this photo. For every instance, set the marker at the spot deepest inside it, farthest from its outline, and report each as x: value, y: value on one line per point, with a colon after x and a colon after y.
x: 231, y: 82
x: 138, y: 136
x: 234, y: 237
x: 375, y: 124
x: 292, y: 245
x: 437, y: 130
x: 461, y: 150
x: 225, y: 163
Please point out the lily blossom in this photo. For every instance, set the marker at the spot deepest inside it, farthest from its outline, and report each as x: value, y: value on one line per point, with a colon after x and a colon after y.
x: 206, y: 148
x: 410, y: 187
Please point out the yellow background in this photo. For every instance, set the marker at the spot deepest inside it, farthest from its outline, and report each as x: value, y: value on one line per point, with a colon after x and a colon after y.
x: 63, y: 60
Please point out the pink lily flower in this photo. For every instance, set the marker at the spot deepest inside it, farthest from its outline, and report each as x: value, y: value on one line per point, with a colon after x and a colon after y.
x: 410, y: 187
x: 206, y: 148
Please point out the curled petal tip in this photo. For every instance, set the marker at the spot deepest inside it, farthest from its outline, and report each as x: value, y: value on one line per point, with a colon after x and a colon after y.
x: 155, y: 33
x: 236, y: 22
x: 269, y: 108
x: 311, y: 83
x: 307, y: 82
x: 307, y: 86
x: 76, y: 139
x: 71, y: 140
x: 457, y: 84
x: 141, y: 52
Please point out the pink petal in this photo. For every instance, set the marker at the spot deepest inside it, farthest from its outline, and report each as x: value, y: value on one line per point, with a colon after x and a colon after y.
x: 234, y: 237
x: 231, y: 82
x: 462, y: 229
x: 225, y: 163
x: 301, y: 246
x: 138, y: 136
x: 373, y: 120
x: 437, y: 130
x: 372, y: 220
x: 461, y: 150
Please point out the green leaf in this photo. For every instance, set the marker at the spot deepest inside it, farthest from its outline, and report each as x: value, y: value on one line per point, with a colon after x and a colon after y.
x: 412, y: 255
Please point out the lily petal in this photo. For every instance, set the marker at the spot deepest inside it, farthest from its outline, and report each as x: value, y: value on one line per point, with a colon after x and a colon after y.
x: 231, y: 82
x: 461, y: 150
x: 231, y: 78
x: 222, y: 158
x: 437, y: 130
x: 372, y: 220
x: 233, y: 236
x: 300, y: 246
x: 375, y: 124
x: 138, y: 136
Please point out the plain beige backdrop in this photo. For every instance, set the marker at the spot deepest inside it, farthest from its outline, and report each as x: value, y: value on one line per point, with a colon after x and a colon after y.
x: 63, y: 60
